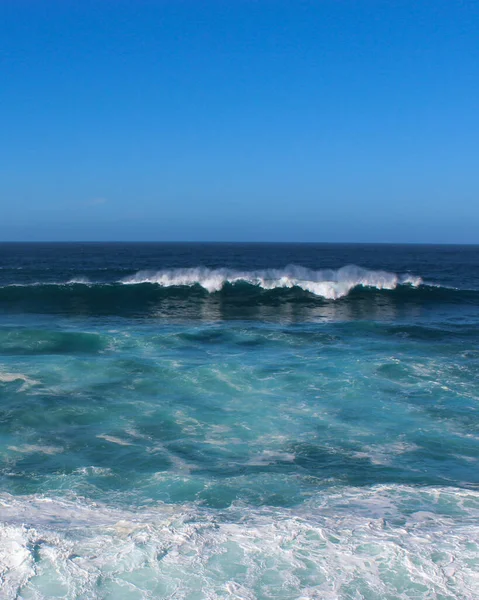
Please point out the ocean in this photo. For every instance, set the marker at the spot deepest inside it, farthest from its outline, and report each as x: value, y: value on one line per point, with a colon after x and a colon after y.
x: 239, y: 421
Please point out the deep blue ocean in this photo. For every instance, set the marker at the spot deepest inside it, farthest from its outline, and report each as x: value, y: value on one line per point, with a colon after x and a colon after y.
x: 239, y: 421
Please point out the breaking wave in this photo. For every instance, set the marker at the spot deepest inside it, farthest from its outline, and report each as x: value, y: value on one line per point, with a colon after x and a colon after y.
x: 326, y: 283
x: 180, y: 291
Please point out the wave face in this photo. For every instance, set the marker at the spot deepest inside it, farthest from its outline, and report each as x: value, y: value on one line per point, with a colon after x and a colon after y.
x: 329, y: 284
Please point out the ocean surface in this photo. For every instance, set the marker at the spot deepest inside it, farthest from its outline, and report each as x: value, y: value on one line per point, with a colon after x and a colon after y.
x: 239, y: 421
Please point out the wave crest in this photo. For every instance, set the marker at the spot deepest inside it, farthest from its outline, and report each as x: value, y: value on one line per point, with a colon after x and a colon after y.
x: 327, y: 283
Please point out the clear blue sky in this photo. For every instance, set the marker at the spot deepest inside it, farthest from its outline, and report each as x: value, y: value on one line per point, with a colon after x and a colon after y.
x: 327, y: 120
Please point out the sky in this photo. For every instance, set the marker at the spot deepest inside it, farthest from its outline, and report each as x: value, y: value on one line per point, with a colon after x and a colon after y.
x: 239, y: 120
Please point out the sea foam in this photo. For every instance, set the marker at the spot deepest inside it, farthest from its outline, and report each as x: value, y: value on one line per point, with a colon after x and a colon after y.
x: 381, y: 542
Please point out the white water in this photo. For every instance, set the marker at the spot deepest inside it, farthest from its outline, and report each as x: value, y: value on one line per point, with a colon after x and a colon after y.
x: 327, y: 283
x: 12, y: 377
x: 386, y: 542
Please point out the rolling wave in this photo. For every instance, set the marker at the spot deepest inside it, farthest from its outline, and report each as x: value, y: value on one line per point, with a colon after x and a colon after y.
x: 186, y: 292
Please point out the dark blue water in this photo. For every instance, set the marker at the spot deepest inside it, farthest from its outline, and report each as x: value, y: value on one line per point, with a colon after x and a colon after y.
x: 239, y: 421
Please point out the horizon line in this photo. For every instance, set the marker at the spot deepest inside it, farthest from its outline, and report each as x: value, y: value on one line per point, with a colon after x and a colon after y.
x: 257, y: 242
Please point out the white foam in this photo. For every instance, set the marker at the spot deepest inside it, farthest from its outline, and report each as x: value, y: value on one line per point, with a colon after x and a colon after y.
x: 382, y: 454
x: 381, y: 542
x: 36, y: 449
x: 79, y: 280
x: 96, y: 471
x: 10, y: 377
x: 270, y: 457
x: 114, y: 440
x: 327, y: 283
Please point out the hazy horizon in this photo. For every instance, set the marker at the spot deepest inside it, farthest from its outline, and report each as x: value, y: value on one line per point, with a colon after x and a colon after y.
x: 239, y: 242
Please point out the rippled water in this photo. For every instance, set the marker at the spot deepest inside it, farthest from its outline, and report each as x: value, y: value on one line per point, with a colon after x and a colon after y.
x: 206, y: 421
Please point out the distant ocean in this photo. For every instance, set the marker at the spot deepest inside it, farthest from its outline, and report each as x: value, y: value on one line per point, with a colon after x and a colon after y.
x: 239, y: 421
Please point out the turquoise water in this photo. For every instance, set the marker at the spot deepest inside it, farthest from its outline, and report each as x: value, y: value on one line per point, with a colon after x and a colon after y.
x: 234, y: 432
